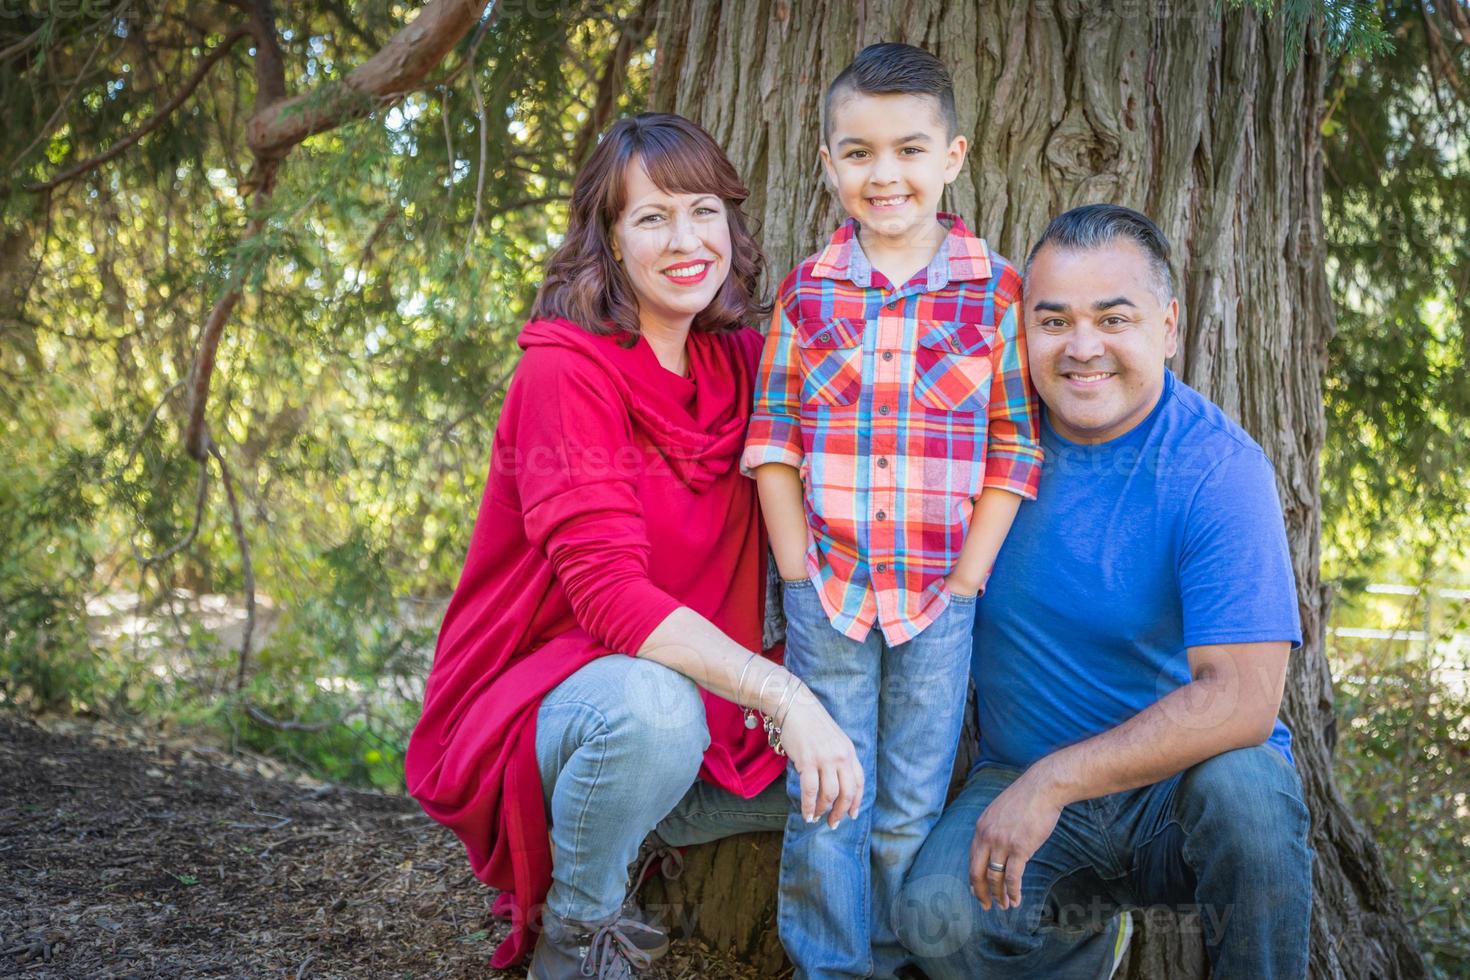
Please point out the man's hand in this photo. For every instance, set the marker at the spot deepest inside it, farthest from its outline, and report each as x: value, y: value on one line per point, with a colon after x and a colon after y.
x: 1008, y: 833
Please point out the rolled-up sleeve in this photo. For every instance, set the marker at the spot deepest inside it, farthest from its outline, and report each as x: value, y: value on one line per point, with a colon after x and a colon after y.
x: 1013, y: 444
x: 774, y: 435
x: 579, y: 500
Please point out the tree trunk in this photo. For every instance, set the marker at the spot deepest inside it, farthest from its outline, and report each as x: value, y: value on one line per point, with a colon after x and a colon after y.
x: 1207, y: 122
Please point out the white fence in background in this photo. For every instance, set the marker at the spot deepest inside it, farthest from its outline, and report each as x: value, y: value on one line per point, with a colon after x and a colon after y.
x: 1436, y: 635
x: 1426, y: 631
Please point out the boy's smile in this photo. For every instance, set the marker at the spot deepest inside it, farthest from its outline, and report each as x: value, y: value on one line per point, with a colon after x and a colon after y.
x: 889, y: 157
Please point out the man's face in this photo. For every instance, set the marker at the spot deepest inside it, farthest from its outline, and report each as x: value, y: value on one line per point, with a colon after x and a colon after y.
x: 1098, y: 332
x: 889, y: 158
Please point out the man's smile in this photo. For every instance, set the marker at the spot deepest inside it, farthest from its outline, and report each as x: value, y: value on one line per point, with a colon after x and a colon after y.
x: 1088, y: 379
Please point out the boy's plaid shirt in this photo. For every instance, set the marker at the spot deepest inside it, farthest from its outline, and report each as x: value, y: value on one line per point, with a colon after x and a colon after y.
x: 898, y: 407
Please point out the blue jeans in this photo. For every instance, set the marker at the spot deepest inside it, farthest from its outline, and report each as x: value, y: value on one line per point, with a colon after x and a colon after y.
x: 619, y: 744
x: 903, y: 707
x: 1225, y: 840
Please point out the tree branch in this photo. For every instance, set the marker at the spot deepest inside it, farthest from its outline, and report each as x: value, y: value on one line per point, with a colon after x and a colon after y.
x: 148, y: 424
x: 399, y: 67
x: 469, y: 57
x: 484, y: 126
x: 154, y: 121
x: 247, y: 569
x: 196, y: 436
x: 7, y: 53
x: 270, y: 65
x: 277, y: 126
x: 1441, y: 62
x: 614, y: 73
x: 201, y: 494
x: 1459, y: 16
x: 291, y: 725
x: 47, y: 129
x: 386, y: 221
x: 355, y: 29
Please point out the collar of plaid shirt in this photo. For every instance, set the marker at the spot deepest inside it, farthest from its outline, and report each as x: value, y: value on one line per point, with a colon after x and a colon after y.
x: 961, y: 257
x: 888, y: 541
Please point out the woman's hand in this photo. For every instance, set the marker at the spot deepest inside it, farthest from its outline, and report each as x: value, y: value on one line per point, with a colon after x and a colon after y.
x: 831, y: 776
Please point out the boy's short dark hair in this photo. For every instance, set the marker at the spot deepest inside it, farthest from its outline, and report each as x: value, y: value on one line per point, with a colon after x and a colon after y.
x: 894, y: 69
x: 1095, y: 225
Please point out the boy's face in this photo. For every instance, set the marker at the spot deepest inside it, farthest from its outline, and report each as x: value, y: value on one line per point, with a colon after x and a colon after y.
x: 889, y: 158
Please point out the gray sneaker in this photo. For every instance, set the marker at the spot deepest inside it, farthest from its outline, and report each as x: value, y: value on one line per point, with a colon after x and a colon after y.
x: 611, y: 949
x: 644, y: 932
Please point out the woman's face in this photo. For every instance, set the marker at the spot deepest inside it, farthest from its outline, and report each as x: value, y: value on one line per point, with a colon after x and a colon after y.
x: 674, y: 247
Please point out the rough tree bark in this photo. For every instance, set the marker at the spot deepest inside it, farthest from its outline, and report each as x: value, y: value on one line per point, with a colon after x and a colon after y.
x: 1207, y: 122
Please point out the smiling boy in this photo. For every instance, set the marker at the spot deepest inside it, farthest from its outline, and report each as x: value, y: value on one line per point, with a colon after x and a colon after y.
x: 893, y: 438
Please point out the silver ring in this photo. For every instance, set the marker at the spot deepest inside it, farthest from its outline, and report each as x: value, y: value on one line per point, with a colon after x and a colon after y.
x: 998, y: 868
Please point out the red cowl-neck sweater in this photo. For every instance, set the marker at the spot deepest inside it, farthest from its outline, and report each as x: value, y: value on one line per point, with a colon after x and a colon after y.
x: 613, y: 499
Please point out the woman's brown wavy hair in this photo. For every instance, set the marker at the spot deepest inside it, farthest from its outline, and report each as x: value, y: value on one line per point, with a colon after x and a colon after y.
x: 586, y: 285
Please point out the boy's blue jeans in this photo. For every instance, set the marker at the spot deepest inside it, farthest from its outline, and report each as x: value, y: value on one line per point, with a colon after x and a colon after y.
x: 1225, y: 840
x: 619, y: 744
x: 903, y: 708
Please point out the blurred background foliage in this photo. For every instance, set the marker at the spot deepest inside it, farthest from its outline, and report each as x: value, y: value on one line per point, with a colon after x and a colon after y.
x: 1396, y: 487
x: 359, y: 381
x: 356, y: 388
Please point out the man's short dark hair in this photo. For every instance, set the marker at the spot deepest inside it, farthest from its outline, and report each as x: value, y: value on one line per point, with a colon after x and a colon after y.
x: 894, y: 69
x: 1095, y: 225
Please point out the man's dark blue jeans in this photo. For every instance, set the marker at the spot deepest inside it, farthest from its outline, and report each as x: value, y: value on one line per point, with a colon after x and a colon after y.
x: 1225, y: 840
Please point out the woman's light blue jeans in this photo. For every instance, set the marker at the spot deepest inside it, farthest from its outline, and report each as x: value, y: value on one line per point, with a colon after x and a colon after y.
x: 619, y: 744
x: 903, y: 707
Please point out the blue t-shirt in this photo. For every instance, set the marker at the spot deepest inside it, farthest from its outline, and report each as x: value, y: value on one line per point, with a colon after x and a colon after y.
x: 1168, y: 537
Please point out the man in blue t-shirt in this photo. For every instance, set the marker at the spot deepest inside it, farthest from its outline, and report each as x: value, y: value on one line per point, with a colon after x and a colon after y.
x: 1130, y: 656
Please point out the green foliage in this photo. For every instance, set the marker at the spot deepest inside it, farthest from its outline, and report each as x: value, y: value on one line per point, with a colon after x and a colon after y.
x: 1404, y: 761
x: 1353, y: 28
x: 45, y: 556
x: 1397, y: 467
x: 357, y: 381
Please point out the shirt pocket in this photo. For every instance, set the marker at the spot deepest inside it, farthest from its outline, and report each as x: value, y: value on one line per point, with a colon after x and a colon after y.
x: 952, y: 367
x: 831, y: 360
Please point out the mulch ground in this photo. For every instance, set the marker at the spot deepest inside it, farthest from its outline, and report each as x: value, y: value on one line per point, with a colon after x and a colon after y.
x: 128, y: 855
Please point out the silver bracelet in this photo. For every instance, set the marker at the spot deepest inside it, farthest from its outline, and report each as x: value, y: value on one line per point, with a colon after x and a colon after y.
x: 784, y: 708
x: 788, y: 697
x: 740, y: 684
x: 760, y: 698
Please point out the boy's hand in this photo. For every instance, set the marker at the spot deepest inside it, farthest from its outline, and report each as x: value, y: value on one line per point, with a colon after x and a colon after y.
x: 959, y: 586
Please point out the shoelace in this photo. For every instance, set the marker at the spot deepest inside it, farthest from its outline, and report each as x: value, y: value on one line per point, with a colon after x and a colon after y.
x: 670, y: 864
x: 611, y: 955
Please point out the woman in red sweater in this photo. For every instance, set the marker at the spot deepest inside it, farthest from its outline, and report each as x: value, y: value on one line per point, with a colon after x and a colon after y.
x: 596, y: 675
